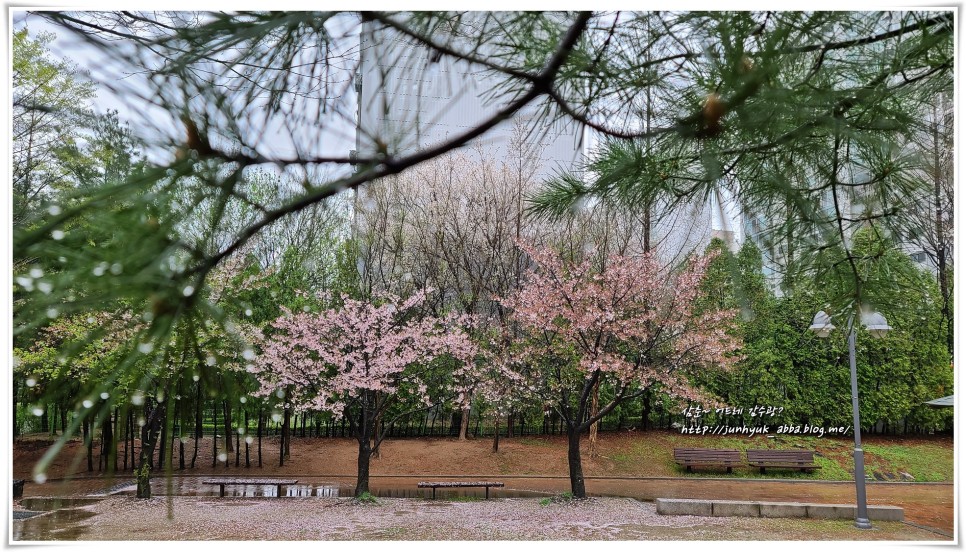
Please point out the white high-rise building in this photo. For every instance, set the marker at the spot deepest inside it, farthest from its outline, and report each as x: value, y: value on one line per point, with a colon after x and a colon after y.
x: 412, y: 98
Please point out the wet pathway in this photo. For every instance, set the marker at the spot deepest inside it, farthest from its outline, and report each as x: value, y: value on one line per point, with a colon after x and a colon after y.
x: 925, y: 504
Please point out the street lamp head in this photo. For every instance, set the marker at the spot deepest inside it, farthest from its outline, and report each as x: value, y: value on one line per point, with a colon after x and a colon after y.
x: 821, y: 324
x: 875, y: 323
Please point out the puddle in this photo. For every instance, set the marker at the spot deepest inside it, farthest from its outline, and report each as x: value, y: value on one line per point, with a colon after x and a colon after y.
x: 56, y: 525
x: 47, y: 504
x: 321, y: 489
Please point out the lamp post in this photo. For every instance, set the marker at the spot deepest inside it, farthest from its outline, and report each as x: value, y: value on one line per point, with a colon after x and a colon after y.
x: 876, y: 324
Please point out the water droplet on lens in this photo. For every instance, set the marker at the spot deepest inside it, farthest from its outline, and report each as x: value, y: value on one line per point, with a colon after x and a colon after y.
x: 280, y: 393
x: 116, y: 269
x: 249, y: 440
x: 31, y: 382
x: 145, y: 347
x: 57, y: 235
x: 137, y: 399
x: 222, y: 457
x: 37, y: 411
x: 52, y: 313
x: 248, y: 312
x: 105, y: 395
x: 87, y: 403
x: 248, y: 354
x: 54, y: 210
x: 195, y: 377
x: 210, y: 361
x: 45, y: 287
x: 40, y: 478
x: 188, y: 291
x: 241, y: 431
x: 243, y: 400
x: 36, y: 273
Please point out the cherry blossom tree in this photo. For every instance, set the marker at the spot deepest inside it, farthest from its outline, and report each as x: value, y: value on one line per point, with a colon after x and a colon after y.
x: 360, y: 360
x: 628, y: 326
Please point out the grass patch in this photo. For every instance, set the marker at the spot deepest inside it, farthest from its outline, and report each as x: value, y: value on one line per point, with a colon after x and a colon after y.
x: 366, y: 498
x: 925, y: 462
x: 557, y: 499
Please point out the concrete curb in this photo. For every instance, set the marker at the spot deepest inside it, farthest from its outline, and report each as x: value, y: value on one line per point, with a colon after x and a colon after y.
x: 739, y: 508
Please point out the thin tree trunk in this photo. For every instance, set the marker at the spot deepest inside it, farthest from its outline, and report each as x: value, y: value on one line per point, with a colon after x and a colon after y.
x: 464, y: 423
x: 227, y: 416
x: 362, y: 472
x: 594, y: 409
x: 261, y: 428
x: 248, y: 458
x: 284, y: 438
x: 496, y: 433
x: 124, y: 433
x: 214, y: 439
x: 573, y: 461
x: 89, y: 441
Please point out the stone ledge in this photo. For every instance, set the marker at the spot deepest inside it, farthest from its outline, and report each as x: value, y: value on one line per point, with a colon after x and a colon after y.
x: 683, y: 507
x: 739, y: 508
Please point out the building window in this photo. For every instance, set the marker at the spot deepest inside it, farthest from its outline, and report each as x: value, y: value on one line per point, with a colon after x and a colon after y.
x: 919, y: 256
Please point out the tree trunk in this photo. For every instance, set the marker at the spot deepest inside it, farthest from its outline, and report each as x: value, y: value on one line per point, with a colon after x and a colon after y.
x: 89, y: 441
x: 149, y: 435
x: 646, y: 410
x: 227, y: 413
x: 130, y: 424
x: 261, y: 429
x: 163, y: 449
x: 248, y: 458
x: 362, y: 473
x: 573, y: 460
x: 496, y: 433
x: 214, y: 439
x: 464, y: 423
x: 124, y: 433
x: 283, y: 445
x: 594, y: 409
x: 107, y: 443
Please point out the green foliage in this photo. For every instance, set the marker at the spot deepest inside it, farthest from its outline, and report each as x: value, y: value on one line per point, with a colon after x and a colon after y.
x: 785, y: 365
x: 561, y: 498
x: 366, y: 498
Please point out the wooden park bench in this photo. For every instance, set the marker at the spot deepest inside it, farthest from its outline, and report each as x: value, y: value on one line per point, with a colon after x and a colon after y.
x: 794, y: 459
x: 458, y: 484
x: 222, y: 482
x: 698, y: 457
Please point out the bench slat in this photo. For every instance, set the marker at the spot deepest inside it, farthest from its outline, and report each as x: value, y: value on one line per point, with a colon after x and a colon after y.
x: 796, y: 459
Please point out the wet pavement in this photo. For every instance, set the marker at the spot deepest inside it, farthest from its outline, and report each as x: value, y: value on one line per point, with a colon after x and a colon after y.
x: 929, y: 505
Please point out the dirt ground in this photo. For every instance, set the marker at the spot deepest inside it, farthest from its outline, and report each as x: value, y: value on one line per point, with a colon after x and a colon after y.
x: 526, y: 463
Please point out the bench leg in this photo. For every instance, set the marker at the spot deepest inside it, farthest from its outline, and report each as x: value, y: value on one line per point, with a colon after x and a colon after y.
x: 762, y: 470
x: 434, y: 493
x: 729, y: 469
x: 279, y: 492
x: 687, y: 469
x: 488, y: 492
x: 222, y: 490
